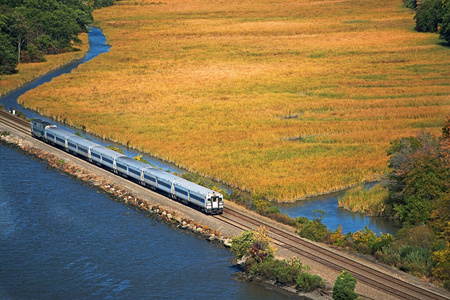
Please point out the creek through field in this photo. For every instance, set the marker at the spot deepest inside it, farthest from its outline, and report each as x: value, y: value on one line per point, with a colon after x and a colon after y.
x: 60, y: 239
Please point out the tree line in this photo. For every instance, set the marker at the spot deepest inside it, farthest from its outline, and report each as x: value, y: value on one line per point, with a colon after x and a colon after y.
x: 30, y: 29
x: 432, y: 16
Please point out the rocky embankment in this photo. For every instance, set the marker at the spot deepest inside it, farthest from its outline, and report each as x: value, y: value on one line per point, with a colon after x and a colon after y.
x: 118, y: 193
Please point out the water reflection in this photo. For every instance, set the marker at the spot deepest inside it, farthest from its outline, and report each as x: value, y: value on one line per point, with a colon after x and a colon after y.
x: 335, y: 216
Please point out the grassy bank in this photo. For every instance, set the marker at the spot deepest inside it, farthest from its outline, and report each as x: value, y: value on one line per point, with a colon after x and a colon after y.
x: 30, y: 71
x: 286, y: 99
x: 364, y: 200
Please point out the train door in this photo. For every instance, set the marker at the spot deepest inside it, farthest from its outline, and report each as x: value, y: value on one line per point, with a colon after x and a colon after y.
x: 215, y: 203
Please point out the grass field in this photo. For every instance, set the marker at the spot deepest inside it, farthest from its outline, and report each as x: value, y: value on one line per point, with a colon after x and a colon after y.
x: 30, y: 71
x: 286, y: 99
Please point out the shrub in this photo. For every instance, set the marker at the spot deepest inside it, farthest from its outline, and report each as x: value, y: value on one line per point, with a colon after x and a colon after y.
x: 364, y: 236
x: 289, y: 273
x: 313, y: 230
x: 267, y: 269
x: 442, y: 268
x: 255, y: 245
x: 337, y: 238
x: 381, y: 242
x: 308, y: 283
x: 420, y: 236
x: 344, y: 287
x: 272, y: 210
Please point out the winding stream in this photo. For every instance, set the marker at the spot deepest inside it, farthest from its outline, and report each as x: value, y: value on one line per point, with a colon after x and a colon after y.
x: 334, y: 215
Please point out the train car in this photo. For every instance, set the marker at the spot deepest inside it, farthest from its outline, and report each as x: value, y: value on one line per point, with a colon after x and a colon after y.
x: 105, y: 157
x: 130, y: 167
x: 178, y: 188
x: 150, y: 177
x: 57, y: 136
x: 164, y: 180
x: 80, y: 146
x: 210, y: 201
x: 38, y: 128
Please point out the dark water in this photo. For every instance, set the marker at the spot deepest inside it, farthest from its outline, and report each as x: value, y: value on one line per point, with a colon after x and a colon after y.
x: 60, y: 239
x: 335, y: 216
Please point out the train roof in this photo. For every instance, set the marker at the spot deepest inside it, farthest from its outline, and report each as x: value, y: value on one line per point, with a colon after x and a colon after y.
x: 132, y: 162
x: 42, y: 122
x: 59, y: 131
x: 108, y: 152
x: 81, y: 141
x: 195, y: 187
x: 161, y: 174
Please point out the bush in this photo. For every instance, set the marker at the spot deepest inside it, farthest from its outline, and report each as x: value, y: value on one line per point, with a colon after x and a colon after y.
x: 308, y: 283
x: 428, y: 15
x: 272, y: 210
x: 381, y: 242
x: 288, y: 272
x: 344, y: 287
x: 255, y: 245
x: 313, y: 230
x: 267, y: 269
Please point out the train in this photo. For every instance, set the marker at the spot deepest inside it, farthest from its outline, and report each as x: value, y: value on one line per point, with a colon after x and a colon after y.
x: 177, y: 188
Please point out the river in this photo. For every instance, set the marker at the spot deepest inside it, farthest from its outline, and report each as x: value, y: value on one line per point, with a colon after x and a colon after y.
x: 335, y: 216
x: 60, y: 239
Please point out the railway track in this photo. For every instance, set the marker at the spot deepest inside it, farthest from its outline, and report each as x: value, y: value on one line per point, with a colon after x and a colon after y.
x: 305, y: 248
x: 336, y: 261
x: 15, y: 122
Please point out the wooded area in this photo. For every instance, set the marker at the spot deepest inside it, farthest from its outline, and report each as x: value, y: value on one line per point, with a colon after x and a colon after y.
x: 29, y: 29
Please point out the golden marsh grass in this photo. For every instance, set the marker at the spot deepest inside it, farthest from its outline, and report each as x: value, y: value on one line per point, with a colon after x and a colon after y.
x: 286, y: 99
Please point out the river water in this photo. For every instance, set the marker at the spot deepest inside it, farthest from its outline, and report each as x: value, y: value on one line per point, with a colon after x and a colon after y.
x: 336, y: 216
x: 60, y: 239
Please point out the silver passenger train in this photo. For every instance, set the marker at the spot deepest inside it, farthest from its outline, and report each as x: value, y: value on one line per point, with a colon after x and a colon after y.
x: 207, y: 200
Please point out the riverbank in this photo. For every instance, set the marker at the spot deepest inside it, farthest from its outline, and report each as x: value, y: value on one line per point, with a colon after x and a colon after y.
x: 118, y: 193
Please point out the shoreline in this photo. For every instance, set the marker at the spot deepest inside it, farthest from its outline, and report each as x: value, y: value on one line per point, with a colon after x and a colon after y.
x: 116, y: 192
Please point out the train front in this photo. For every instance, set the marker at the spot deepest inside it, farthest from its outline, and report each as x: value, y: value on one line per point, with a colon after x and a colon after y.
x: 214, y: 203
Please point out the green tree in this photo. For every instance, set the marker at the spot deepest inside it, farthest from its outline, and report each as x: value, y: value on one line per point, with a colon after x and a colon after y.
x: 429, y: 15
x: 444, y: 31
x: 8, y: 58
x: 417, y: 178
x: 344, y: 287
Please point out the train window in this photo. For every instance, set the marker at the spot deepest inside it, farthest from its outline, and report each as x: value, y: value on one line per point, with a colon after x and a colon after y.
x: 107, y: 160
